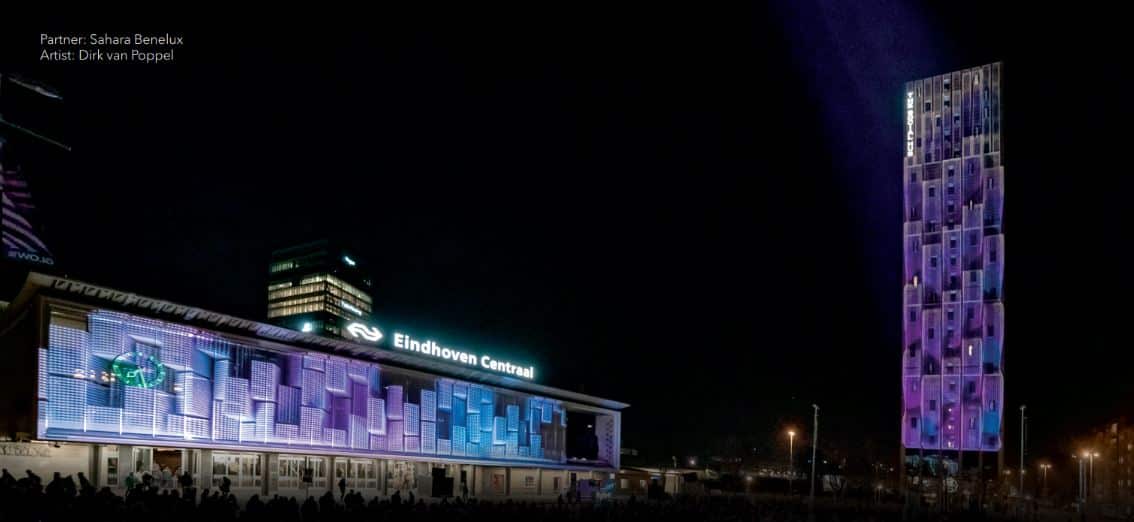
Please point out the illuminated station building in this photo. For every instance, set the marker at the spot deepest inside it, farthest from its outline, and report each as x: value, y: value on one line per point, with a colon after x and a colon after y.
x: 109, y: 383
x: 953, y: 312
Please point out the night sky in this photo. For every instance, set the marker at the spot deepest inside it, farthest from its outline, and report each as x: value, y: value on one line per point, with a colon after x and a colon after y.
x: 693, y: 211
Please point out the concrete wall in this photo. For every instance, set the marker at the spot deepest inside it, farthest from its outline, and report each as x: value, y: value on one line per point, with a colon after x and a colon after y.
x: 524, y: 482
x: 44, y: 459
x: 547, y: 486
x: 484, y: 482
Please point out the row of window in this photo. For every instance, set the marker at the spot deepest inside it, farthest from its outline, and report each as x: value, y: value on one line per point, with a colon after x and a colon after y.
x: 974, y: 239
x: 991, y: 330
x: 334, y: 281
x: 280, y: 266
x: 286, y: 309
x: 295, y: 302
x: 290, y: 291
x: 243, y: 470
x: 992, y: 258
x: 318, y: 291
x: 277, y: 286
x: 296, y: 310
x: 295, y: 472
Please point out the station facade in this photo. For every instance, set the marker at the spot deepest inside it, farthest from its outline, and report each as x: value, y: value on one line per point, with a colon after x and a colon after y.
x: 110, y: 383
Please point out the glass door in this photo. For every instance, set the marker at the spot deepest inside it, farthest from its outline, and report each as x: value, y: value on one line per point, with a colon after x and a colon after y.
x: 112, y: 470
x: 319, y: 467
x: 242, y: 470
x: 143, y: 460
x: 340, y: 473
x: 362, y: 474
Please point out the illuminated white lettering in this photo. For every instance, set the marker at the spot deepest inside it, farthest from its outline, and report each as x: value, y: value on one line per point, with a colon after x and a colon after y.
x: 350, y: 307
x: 909, y: 124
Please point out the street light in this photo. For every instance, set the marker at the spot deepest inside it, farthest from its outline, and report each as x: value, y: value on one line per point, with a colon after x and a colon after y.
x: 791, y: 459
x: 1023, y: 428
x: 1091, y: 478
x: 814, y: 450
x: 1083, y: 476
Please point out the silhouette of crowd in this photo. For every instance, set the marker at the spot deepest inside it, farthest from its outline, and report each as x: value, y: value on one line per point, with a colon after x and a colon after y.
x: 63, y: 498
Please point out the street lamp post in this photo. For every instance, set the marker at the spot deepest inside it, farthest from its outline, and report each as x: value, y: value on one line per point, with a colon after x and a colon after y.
x: 1022, y: 417
x: 1082, y: 480
x: 1083, y: 477
x: 791, y: 460
x: 1043, y: 469
x: 1091, y: 478
x: 814, y: 450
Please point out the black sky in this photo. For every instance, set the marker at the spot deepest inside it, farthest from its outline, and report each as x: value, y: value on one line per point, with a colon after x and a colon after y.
x: 695, y: 211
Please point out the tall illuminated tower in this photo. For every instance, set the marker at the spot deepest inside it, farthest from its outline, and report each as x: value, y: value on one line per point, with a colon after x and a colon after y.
x: 953, y: 239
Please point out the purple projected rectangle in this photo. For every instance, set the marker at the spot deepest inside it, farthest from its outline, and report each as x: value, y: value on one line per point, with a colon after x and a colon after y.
x: 220, y: 393
x: 953, y: 271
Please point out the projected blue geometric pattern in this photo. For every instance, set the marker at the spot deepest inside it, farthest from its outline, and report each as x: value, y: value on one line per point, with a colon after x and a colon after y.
x: 220, y: 392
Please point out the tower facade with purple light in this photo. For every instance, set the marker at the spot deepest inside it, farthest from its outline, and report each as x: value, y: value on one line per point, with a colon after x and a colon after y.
x: 953, y: 243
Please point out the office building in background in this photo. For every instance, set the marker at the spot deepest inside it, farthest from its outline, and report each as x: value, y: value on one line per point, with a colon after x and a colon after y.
x: 318, y: 287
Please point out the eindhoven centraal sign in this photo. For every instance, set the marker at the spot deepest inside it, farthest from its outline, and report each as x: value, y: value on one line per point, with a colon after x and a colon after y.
x: 428, y: 347
x: 361, y: 332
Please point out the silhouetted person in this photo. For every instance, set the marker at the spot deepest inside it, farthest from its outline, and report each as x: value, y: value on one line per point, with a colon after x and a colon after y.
x: 85, y: 485
x: 310, y: 509
x: 186, y: 483
x: 6, y: 479
x: 55, y: 487
x: 226, y: 485
x: 396, y: 498
x: 342, y: 487
x: 34, y: 479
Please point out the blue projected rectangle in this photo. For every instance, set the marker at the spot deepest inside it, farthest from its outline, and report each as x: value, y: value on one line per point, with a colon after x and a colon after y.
x: 512, y: 412
x: 428, y: 405
x: 428, y: 437
x: 474, y: 430
x: 499, y: 430
x: 413, y: 419
x: 444, y: 394
x: 218, y: 393
x: 394, y: 402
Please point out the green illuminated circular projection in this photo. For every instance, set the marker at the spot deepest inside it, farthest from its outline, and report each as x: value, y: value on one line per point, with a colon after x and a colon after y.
x: 137, y: 369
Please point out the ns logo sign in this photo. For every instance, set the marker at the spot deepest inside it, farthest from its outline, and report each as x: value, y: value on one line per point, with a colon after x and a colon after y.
x: 361, y: 331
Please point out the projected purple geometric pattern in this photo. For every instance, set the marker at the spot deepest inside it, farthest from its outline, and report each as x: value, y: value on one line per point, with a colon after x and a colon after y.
x: 953, y: 313
x: 218, y: 392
